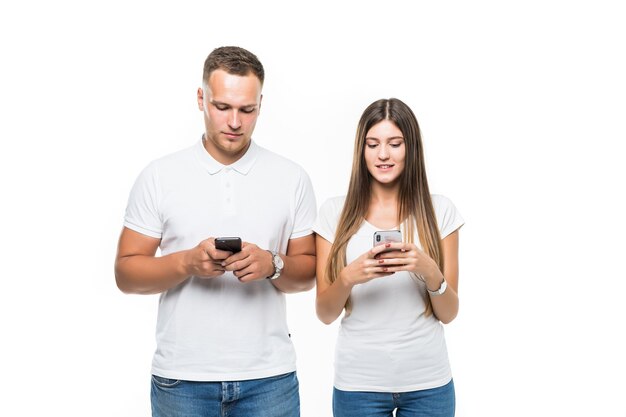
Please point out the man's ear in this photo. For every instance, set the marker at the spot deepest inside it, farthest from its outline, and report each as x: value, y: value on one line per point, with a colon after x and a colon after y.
x: 200, y: 99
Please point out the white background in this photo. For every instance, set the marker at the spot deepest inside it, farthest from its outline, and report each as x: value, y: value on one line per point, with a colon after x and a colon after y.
x: 522, y: 107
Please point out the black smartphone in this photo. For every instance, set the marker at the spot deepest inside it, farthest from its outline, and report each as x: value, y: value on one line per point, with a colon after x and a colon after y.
x: 384, y: 236
x: 230, y: 244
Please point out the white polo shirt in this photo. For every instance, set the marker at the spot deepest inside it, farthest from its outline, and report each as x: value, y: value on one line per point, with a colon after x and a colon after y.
x: 387, y: 343
x: 220, y: 329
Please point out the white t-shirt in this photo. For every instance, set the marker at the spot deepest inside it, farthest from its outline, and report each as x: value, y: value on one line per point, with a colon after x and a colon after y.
x: 221, y: 329
x: 387, y: 344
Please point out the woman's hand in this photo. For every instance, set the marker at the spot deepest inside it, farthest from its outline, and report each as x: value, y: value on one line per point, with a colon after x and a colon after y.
x: 408, y: 257
x: 366, y: 267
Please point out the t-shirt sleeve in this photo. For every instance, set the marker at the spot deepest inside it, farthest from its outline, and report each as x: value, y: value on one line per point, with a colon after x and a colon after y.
x: 327, y: 219
x: 305, y: 207
x: 142, y: 214
x: 448, y: 217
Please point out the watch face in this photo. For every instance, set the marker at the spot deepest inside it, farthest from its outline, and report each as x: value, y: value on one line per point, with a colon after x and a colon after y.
x: 279, y: 262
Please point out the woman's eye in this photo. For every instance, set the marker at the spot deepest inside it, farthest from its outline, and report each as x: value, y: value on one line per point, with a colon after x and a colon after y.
x: 395, y: 145
x: 371, y: 145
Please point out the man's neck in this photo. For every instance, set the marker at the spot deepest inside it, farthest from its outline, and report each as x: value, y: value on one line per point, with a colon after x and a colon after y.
x: 223, y: 156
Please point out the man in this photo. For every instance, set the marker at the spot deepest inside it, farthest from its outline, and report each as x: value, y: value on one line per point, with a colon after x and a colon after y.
x: 222, y: 340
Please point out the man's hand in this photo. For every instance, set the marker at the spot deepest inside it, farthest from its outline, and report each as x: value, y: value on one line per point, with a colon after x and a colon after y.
x: 250, y: 264
x: 205, y: 261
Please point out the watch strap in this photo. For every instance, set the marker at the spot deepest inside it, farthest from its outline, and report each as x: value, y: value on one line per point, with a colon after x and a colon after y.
x: 277, y: 268
x: 441, y: 290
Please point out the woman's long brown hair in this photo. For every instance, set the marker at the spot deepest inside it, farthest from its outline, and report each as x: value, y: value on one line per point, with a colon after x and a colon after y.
x: 415, y: 208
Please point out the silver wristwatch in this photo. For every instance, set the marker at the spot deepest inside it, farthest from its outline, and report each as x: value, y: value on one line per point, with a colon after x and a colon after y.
x: 278, y: 264
x: 441, y: 290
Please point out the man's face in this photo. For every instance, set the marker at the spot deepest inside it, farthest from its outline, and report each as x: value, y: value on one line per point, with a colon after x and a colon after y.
x: 231, y: 105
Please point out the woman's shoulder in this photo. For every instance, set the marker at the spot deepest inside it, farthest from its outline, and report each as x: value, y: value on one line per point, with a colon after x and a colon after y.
x: 329, y: 214
x: 333, y: 204
x: 441, y: 201
x: 448, y: 216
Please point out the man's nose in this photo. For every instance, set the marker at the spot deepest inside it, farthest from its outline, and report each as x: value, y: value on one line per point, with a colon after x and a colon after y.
x: 234, y: 122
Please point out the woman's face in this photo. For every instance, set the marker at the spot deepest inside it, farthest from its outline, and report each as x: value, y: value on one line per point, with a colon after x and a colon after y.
x: 385, y: 152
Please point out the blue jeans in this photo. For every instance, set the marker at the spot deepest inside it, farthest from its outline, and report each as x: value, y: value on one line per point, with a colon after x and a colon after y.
x: 275, y: 396
x: 435, y: 402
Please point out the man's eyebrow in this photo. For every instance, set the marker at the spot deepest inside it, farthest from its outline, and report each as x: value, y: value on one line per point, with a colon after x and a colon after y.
x: 221, y: 103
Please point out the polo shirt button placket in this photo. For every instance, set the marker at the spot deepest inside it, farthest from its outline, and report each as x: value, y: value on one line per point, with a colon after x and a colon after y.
x: 227, y: 190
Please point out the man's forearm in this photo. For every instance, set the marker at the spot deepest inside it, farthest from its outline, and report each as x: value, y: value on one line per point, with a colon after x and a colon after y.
x: 143, y: 274
x: 298, y: 274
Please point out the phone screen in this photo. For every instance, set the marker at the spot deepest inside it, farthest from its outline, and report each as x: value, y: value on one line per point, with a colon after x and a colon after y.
x: 230, y: 244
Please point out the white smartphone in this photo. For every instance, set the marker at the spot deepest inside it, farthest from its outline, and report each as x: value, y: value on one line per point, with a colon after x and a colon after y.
x: 384, y: 236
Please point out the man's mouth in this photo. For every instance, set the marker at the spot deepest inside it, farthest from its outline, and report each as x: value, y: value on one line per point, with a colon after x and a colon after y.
x: 232, y: 135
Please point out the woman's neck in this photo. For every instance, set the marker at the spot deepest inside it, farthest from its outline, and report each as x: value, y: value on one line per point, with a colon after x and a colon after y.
x: 384, y: 193
x: 383, y: 207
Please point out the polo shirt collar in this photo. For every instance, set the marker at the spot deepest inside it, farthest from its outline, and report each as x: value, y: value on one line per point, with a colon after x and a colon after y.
x: 242, y: 165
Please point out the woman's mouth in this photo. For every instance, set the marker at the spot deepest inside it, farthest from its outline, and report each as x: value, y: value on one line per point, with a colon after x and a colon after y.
x: 384, y: 166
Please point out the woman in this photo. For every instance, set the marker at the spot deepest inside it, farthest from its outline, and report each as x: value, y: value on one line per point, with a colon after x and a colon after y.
x: 391, y: 352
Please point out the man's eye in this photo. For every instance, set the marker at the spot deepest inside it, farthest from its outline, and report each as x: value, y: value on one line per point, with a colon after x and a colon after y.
x: 247, y: 110
x: 221, y: 108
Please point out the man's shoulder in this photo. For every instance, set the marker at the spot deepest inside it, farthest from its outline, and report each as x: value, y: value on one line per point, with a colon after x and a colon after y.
x: 172, y: 160
x: 272, y: 159
x: 177, y: 156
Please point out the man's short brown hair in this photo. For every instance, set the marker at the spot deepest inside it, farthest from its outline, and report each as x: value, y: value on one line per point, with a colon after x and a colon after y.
x: 233, y: 60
